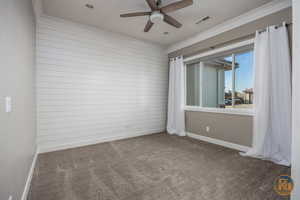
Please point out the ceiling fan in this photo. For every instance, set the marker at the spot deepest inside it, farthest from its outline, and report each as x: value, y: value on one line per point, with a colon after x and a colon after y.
x: 160, y: 13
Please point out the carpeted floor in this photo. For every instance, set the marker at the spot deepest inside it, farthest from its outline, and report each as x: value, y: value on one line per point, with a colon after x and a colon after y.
x: 155, y: 167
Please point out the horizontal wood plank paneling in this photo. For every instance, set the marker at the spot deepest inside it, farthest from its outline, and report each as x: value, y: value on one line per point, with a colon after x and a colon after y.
x: 94, y: 85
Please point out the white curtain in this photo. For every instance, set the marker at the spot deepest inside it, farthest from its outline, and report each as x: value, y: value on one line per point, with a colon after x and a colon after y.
x: 272, y: 96
x: 176, y: 122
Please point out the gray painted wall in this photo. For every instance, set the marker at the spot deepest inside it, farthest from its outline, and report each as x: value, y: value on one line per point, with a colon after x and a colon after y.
x: 230, y: 128
x: 17, y: 129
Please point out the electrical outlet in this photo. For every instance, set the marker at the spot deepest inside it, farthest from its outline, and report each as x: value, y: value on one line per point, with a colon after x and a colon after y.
x: 207, y: 129
x: 10, y: 198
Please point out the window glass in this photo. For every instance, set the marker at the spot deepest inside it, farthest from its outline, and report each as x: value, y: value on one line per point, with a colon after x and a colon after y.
x: 193, y: 84
x: 244, y: 80
x: 218, y: 83
x: 228, y: 84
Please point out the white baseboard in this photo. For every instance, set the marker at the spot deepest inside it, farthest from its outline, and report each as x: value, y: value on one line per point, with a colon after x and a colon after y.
x: 219, y: 142
x: 29, y: 177
x: 54, y: 146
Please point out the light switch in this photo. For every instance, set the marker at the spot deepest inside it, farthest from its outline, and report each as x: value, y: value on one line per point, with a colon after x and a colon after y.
x: 8, y: 104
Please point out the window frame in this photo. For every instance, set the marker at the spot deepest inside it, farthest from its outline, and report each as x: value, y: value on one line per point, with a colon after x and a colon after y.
x: 231, y: 49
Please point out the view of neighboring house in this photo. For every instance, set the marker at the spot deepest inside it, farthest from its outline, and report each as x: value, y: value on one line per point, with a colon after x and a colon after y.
x: 248, y: 96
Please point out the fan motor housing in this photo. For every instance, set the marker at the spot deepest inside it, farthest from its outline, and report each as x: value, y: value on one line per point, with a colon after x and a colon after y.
x: 156, y: 16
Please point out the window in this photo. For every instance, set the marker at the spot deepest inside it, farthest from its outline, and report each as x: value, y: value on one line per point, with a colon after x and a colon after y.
x: 244, y: 80
x: 221, y: 81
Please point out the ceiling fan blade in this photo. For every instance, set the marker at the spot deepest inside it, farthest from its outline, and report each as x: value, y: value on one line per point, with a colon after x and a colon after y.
x: 148, y: 26
x: 135, y: 14
x: 152, y: 4
x: 173, y: 22
x: 176, y: 6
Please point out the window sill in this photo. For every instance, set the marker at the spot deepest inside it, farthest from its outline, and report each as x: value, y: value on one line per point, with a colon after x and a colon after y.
x: 230, y: 111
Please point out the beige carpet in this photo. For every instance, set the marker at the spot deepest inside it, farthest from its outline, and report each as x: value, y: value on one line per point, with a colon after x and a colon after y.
x: 155, y: 167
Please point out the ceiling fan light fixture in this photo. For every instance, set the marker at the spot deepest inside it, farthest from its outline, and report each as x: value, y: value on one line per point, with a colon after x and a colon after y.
x: 156, y: 16
x: 159, y: 13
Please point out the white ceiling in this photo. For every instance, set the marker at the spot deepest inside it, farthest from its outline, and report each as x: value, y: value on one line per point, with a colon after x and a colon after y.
x: 106, y: 15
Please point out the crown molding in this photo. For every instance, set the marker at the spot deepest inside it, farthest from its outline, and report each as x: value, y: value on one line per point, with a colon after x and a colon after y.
x: 257, y: 13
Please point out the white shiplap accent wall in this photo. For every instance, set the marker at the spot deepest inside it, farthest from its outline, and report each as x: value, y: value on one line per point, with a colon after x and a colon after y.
x: 95, y: 86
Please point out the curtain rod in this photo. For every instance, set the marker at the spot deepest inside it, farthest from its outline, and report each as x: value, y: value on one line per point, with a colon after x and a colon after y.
x: 276, y: 26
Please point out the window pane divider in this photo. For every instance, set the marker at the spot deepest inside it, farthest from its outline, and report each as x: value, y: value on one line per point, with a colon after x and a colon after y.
x: 233, y: 81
